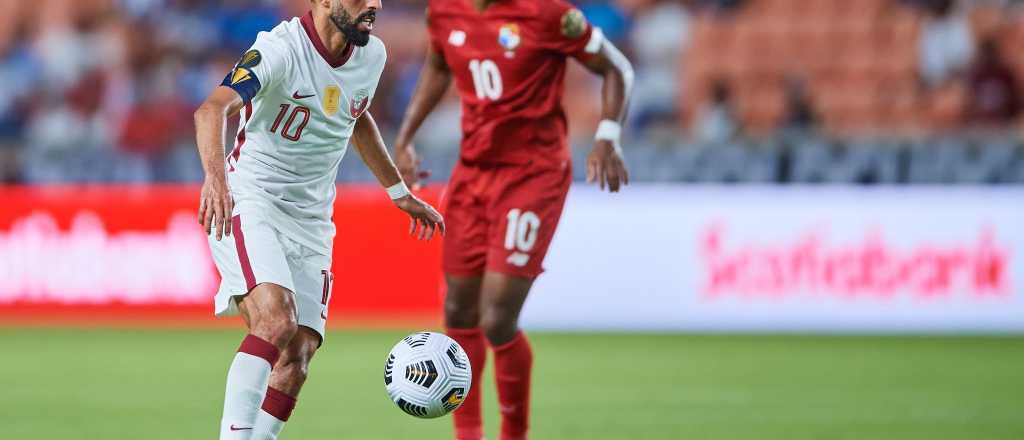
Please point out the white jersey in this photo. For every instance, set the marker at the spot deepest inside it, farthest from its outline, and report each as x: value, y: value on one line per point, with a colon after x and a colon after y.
x: 301, y: 108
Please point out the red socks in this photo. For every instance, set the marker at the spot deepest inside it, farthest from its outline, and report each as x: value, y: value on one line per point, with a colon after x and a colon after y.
x: 278, y: 404
x: 468, y: 418
x: 260, y: 348
x: 512, y: 363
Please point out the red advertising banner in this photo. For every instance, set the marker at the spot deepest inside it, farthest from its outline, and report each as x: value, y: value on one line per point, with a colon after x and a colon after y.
x: 136, y: 254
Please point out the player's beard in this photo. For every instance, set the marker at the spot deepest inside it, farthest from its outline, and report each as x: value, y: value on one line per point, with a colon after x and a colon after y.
x: 349, y: 27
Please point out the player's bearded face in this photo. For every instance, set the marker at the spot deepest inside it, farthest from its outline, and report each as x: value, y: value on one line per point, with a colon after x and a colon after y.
x: 356, y: 30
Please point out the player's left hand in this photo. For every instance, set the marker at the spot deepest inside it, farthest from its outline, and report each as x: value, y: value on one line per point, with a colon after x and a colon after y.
x: 605, y: 165
x: 422, y: 216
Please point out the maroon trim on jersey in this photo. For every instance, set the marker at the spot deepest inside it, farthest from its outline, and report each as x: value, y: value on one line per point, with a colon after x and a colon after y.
x: 278, y: 404
x: 237, y: 151
x: 260, y: 348
x: 243, y: 255
x: 314, y: 37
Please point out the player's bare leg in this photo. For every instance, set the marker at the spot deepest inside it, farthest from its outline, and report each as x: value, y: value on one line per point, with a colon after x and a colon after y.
x: 501, y: 299
x: 462, y: 302
x: 285, y: 383
x: 269, y: 312
x: 462, y: 317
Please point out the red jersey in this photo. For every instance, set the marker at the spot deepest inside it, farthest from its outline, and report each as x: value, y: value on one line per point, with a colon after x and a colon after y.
x: 509, y: 67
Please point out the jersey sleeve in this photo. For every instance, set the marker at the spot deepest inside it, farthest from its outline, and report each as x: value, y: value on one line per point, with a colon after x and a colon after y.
x: 260, y: 67
x: 568, y: 32
x: 434, y: 33
x: 381, y: 60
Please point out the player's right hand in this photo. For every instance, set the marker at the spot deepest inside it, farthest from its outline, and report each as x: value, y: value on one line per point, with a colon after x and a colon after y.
x: 215, y: 206
x: 408, y: 163
x: 422, y: 216
x: 606, y: 167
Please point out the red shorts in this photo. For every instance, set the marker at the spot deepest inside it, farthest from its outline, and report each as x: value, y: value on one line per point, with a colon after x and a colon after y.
x: 502, y: 218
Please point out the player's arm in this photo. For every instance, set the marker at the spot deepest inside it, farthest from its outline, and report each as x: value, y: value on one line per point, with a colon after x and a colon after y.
x: 259, y: 66
x: 605, y: 164
x: 367, y: 140
x: 434, y: 81
x: 215, y: 202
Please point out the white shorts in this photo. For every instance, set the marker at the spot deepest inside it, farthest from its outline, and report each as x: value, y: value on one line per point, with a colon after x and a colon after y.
x: 256, y: 252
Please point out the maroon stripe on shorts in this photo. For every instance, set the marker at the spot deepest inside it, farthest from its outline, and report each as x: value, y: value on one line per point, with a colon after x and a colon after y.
x: 243, y: 255
x: 258, y: 347
x: 278, y: 404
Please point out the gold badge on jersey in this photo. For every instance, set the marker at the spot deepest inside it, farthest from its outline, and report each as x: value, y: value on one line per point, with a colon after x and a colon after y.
x: 332, y: 100
x: 573, y: 24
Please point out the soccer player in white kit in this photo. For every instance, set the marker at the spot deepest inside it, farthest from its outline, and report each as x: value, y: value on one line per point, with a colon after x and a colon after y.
x: 302, y: 90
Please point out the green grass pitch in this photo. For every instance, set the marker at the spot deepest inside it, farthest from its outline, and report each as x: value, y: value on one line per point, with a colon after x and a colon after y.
x: 164, y: 384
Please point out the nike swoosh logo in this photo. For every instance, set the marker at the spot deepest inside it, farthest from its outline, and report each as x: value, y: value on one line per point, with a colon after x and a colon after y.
x: 296, y: 95
x: 233, y: 428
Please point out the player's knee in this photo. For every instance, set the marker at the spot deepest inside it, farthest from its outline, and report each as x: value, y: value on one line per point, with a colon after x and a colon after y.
x: 272, y: 315
x: 498, y: 327
x: 277, y: 328
x: 460, y: 314
x: 462, y: 303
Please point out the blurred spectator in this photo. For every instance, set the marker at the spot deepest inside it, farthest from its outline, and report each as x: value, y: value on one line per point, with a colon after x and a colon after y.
x: 102, y: 90
x: 241, y: 20
x: 946, y: 44
x: 717, y: 122
x: 608, y: 16
x: 69, y: 141
x: 800, y: 115
x: 19, y: 69
x: 720, y: 6
x: 660, y: 40
x: 993, y: 96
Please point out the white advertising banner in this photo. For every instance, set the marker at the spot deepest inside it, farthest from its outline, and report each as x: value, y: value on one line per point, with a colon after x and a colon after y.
x: 788, y: 259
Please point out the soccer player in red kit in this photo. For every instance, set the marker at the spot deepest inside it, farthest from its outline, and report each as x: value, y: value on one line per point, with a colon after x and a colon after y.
x: 508, y: 59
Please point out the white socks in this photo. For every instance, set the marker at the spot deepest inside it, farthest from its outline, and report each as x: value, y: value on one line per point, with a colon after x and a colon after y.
x: 267, y: 427
x: 246, y: 386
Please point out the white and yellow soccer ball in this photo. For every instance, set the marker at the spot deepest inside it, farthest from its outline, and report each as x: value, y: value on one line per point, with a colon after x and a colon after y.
x: 427, y: 375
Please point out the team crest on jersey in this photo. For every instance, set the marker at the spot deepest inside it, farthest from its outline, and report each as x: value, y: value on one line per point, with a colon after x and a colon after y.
x: 573, y: 24
x: 358, y: 104
x: 508, y: 36
x: 332, y: 100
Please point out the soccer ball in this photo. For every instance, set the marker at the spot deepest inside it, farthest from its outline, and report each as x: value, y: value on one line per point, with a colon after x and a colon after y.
x: 427, y: 375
